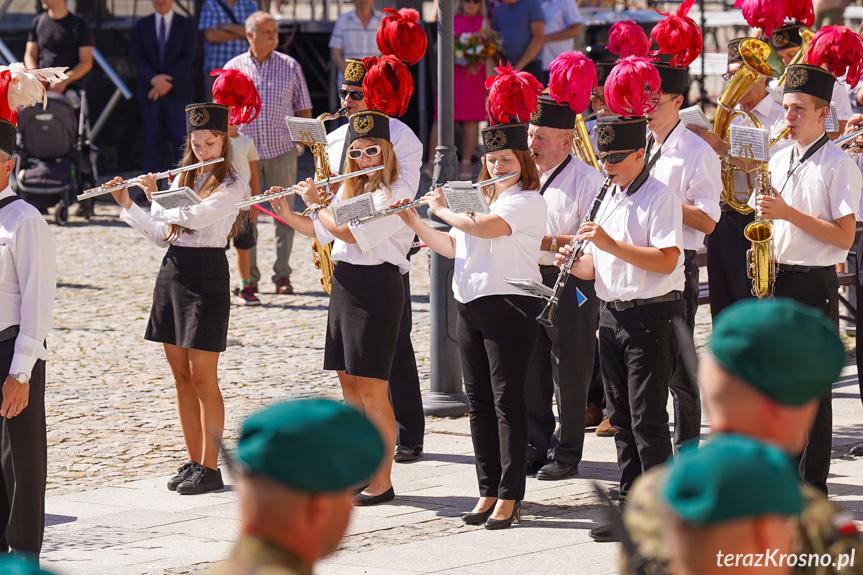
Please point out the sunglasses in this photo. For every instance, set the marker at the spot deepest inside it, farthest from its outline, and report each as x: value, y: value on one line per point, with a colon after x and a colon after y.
x: 371, y: 152
x: 616, y: 157
x: 471, y: 1
x: 356, y: 95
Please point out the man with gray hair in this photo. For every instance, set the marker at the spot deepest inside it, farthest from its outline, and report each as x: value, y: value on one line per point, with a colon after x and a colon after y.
x: 283, y: 91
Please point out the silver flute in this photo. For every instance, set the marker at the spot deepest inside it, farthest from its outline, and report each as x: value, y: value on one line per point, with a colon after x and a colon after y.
x: 279, y: 192
x: 417, y: 203
x: 102, y: 190
x: 849, y: 138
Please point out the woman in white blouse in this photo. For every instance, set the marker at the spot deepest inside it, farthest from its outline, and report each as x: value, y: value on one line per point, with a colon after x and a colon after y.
x: 191, y: 299
x: 367, y: 289
x: 497, y: 328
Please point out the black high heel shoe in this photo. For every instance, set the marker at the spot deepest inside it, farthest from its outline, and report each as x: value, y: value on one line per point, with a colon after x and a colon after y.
x: 478, y: 518
x: 515, y: 517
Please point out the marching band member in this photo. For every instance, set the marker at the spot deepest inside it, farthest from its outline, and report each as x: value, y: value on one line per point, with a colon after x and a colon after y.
x: 367, y: 295
x: 635, y: 255
x: 404, y: 380
x: 726, y: 261
x: 562, y: 363
x: 496, y: 327
x: 689, y: 167
x: 191, y: 299
x: 813, y: 207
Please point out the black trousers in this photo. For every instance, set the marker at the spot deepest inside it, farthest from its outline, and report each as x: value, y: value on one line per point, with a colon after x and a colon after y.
x: 818, y: 289
x: 684, y: 384
x: 859, y: 294
x: 596, y: 391
x: 637, y: 355
x: 726, y: 261
x: 23, y: 463
x: 404, y: 382
x: 496, y: 335
x: 562, y: 365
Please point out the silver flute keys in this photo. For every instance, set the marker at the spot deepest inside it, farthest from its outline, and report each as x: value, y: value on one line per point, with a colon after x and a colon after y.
x: 290, y: 191
x: 102, y: 190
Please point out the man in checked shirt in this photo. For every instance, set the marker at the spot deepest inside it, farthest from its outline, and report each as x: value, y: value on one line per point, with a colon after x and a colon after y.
x: 282, y: 86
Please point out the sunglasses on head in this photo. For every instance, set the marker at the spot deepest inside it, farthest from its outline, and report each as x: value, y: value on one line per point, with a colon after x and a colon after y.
x: 357, y: 153
x: 616, y: 157
x: 356, y: 95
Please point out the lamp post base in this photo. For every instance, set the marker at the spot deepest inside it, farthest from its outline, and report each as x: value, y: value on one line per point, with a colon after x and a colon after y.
x: 441, y: 404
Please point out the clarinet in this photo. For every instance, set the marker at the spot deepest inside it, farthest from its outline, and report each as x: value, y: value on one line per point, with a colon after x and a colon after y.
x: 546, y: 318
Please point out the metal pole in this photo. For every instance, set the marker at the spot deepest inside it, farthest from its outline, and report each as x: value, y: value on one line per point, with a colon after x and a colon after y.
x: 446, y: 397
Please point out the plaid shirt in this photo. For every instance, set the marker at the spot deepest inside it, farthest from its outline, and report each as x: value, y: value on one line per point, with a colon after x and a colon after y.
x: 282, y: 86
x: 215, y: 55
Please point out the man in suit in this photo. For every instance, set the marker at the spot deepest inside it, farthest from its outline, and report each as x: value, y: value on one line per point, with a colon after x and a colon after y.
x: 162, y: 49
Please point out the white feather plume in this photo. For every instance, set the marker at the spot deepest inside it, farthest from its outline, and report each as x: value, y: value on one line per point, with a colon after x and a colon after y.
x: 26, y: 87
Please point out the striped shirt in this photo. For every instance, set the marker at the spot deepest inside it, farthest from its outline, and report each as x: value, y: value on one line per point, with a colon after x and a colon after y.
x: 282, y: 86
x: 215, y: 55
x: 355, y: 40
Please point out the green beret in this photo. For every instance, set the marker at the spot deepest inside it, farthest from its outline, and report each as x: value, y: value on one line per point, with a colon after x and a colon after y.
x: 311, y: 445
x: 18, y: 565
x: 788, y: 351
x: 730, y: 477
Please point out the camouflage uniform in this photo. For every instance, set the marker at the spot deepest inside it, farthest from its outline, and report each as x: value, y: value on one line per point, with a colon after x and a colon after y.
x: 824, y: 528
x: 254, y: 556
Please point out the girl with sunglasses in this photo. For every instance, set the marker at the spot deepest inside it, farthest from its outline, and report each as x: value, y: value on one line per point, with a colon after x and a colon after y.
x: 367, y: 289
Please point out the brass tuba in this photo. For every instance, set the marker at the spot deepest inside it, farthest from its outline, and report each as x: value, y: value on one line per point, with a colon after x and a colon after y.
x: 758, y: 62
x: 581, y: 146
x: 760, y: 258
x: 805, y: 35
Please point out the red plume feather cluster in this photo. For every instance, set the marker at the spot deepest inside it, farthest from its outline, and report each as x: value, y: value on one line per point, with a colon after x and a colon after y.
x: 6, y: 112
x: 840, y: 50
x: 388, y: 85
x: 237, y: 91
x: 678, y: 35
x: 626, y: 38
x: 511, y: 94
x: 801, y: 10
x: 401, y: 36
x: 572, y: 78
x: 764, y: 14
x: 631, y: 86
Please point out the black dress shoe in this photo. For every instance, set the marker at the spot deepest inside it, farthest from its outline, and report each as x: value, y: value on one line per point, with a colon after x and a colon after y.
x: 555, y: 471
x: 202, y: 480
x: 515, y: 517
x: 183, y: 474
x: 363, y: 500
x: 857, y: 450
x: 533, y: 467
x: 603, y: 534
x: 478, y: 518
x: 405, y: 452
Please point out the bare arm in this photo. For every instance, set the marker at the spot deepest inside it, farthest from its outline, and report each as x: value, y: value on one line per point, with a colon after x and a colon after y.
x: 562, y: 240
x: 338, y: 57
x: 565, y: 34
x: 537, y: 31
x: 485, y: 226
x: 31, y: 55
x: 230, y: 33
x: 438, y: 241
x: 839, y: 233
x: 343, y: 233
x: 304, y: 113
x: 695, y: 218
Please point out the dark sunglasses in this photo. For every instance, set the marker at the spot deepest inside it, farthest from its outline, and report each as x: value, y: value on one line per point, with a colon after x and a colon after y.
x: 616, y: 157
x: 356, y: 95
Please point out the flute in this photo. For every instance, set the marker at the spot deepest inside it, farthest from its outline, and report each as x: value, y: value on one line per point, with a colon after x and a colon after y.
x: 290, y: 191
x: 845, y: 140
x: 417, y: 203
x: 102, y: 190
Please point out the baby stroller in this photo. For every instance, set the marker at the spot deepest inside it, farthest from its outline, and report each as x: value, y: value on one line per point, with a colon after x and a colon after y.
x: 48, y: 169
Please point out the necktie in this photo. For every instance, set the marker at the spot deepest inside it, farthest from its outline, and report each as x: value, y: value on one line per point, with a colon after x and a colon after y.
x: 161, y: 35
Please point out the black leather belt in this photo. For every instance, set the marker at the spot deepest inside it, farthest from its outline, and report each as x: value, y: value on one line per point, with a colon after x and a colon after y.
x: 800, y: 269
x: 623, y: 305
x: 9, y: 333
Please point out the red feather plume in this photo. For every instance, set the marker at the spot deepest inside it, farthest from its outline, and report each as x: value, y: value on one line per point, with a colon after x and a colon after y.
x: 572, y: 78
x: 237, y: 91
x: 764, y: 14
x: 801, y: 10
x: 401, y: 36
x: 631, y: 86
x: 678, y: 35
x: 840, y: 50
x: 388, y: 85
x: 6, y: 112
x: 626, y: 38
x: 511, y: 94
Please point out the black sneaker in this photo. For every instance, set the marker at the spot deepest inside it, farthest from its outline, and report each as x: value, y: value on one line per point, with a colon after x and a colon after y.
x: 183, y: 474
x: 202, y: 480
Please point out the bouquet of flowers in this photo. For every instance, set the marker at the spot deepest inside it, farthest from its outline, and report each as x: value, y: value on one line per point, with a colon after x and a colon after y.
x: 472, y: 49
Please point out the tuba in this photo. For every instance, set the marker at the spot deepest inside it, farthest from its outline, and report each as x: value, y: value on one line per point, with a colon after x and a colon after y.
x: 761, y: 260
x: 758, y: 62
x: 805, y: 35
x: 581, y: 146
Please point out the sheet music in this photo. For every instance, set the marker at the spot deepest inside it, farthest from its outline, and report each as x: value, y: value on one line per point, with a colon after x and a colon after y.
x: 750, y: 143
x: 831, y: 124
x: 346, y: 211
x: 694, y: 116
x: 462, y: 197
x: 178, y: 198
x: 306, y: 130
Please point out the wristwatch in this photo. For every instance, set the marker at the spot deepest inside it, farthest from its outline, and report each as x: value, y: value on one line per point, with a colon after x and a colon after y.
x: 21, y: 378
x: 553, y: 247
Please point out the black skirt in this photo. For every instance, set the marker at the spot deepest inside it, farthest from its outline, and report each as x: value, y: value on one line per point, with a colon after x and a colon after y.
x: 191, y: 300
x: 363, y: 322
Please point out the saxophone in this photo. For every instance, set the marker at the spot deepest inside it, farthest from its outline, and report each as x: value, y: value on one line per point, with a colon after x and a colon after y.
x: 805, y: 35
x: 761, y: 260
x: 581, y: 146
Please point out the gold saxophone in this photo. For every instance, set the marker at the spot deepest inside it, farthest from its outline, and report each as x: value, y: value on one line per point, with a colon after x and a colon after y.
x: 322, y: 253
x: 758, y: 61
x: 806, y: 36
x: 761, y: 260
x: 581, y: 146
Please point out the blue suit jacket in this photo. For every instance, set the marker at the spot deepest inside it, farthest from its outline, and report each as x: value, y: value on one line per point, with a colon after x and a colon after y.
x: 179, y: 52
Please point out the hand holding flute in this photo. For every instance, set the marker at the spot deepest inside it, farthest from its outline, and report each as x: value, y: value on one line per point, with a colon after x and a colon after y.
x: 121, y: 194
